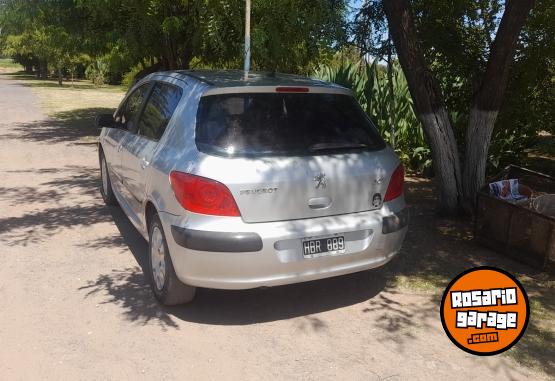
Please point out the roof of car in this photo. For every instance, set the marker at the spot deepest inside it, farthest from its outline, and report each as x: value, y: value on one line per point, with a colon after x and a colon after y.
x: 236, y: 78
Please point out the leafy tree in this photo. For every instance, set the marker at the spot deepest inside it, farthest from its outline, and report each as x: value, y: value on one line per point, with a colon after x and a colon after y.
x: 454, y: 60
x: 528, y: 105
x: 290, y: 35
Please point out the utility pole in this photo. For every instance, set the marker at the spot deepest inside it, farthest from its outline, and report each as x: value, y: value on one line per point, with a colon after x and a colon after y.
x: 392, y: 115
x: 247, y: 54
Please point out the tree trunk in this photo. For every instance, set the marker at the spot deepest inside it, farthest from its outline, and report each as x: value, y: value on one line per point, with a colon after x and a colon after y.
x: 60, y: 76
x: 489, y: 97
x: 186, y: 59
x: 392, y: 110
x: 428, y: 104
x: 43, y: 69
x: 170, y: 55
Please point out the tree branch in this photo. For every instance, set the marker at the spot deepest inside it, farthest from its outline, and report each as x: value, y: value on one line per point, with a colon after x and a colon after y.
x: 494, y: 81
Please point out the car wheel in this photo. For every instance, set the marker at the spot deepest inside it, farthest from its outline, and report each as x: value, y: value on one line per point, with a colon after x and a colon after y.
x: 106, y: 185
x: 167, y: 288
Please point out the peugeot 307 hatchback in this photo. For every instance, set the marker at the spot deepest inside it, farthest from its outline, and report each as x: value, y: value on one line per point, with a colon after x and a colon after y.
x: 249, y: 181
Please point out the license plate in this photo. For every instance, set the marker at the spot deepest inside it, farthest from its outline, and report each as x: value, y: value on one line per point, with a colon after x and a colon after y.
x: 331, y: 245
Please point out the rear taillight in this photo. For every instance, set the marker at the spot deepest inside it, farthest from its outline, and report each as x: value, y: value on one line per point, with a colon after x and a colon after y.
x: 201, y: 195
x: 395, y: 187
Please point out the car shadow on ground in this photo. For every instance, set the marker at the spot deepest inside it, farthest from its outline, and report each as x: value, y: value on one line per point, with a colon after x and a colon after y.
x: 130, y: 289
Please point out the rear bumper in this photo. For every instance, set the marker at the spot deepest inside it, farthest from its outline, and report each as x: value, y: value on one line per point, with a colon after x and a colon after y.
x: 223, y: 242
x: 207, y: 252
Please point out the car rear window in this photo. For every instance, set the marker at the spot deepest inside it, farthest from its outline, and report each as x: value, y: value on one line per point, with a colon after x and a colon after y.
x: 266, y: 124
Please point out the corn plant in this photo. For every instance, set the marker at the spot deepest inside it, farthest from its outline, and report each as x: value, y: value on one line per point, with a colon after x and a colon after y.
x: 368, y: 81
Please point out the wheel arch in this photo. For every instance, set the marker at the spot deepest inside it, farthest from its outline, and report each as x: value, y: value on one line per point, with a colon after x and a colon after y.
x: 150, y: 210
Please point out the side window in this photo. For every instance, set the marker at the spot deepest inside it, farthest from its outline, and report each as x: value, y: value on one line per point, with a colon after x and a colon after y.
x: 132, y: 107
x: 158, y: 111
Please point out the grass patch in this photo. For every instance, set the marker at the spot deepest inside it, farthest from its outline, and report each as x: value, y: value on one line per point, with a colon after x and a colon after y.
x: 536, y: 349
x: 71, y: 109
x: 57, y: 101
x: 8, y: 66
x: 431, y: 284
x: 7, y: 63
x: 74, y: 109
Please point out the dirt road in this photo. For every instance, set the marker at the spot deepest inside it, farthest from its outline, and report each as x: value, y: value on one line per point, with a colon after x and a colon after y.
x: 74, y: 303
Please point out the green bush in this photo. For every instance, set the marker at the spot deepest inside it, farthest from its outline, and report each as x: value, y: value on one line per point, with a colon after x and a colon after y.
x: 97, y: 71
x: 129, y: 77
x: 370, y: 85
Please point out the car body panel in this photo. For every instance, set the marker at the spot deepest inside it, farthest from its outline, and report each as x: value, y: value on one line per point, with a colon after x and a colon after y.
x: 289, y: 188
x: 299, y: 209
x: 280, y: 261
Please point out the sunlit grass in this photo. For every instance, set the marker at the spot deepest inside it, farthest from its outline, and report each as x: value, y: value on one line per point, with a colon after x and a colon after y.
x: 73, y: 106
x: 55, y: 100
x: 536, y: 349
x: 79, y: 95
x: 8, y: 66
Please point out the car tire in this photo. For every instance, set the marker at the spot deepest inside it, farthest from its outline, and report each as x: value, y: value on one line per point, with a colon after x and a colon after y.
x: 105, y: 183
x: 167, y: 288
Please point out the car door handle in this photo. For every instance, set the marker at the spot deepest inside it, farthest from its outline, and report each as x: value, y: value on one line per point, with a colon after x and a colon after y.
x: 120, y: 147
x: 144, y: 163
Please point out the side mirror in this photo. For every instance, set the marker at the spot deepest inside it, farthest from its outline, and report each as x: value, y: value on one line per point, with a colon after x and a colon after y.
x: 105, y: 120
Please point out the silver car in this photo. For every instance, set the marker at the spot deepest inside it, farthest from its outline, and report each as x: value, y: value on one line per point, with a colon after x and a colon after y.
x: 250, y: 181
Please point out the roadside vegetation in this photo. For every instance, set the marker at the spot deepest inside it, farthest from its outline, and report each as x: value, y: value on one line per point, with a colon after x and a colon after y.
x: 484, y: 70
x: 8, y: 63
x: 384, y: 104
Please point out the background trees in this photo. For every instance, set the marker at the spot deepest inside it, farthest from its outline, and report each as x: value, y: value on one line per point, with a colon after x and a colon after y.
x: 473, y: 78
x: 134, y: 35
x: 457, y: 56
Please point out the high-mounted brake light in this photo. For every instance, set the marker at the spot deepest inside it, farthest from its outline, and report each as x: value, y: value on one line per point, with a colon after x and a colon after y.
x: 291, y: 89
x: 395, y: 187
x: 201, y: 195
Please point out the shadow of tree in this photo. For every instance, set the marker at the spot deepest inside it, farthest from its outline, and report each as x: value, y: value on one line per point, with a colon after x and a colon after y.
x: 64, y: 127
x: 30, y: 80
x: 395, y: 317
x: 84, y: 180
x: 438, y: 249
x: 36, y: 225
x: 66, y: 85
x: 536, y: 349
x: 130, y: 290
x: 29, y: 194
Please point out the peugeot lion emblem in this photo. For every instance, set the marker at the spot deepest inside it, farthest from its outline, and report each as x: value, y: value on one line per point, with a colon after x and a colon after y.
x: 320, y: 181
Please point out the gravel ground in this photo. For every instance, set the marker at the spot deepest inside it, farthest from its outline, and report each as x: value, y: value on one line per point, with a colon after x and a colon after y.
x: 75, y: 304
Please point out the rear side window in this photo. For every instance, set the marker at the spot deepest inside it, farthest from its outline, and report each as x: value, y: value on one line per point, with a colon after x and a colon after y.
x: 265, y: 124
x: 132, y: 107
x: 158, y: 110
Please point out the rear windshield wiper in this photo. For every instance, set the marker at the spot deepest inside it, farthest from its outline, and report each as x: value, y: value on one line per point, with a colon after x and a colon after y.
x: 332, y: 146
